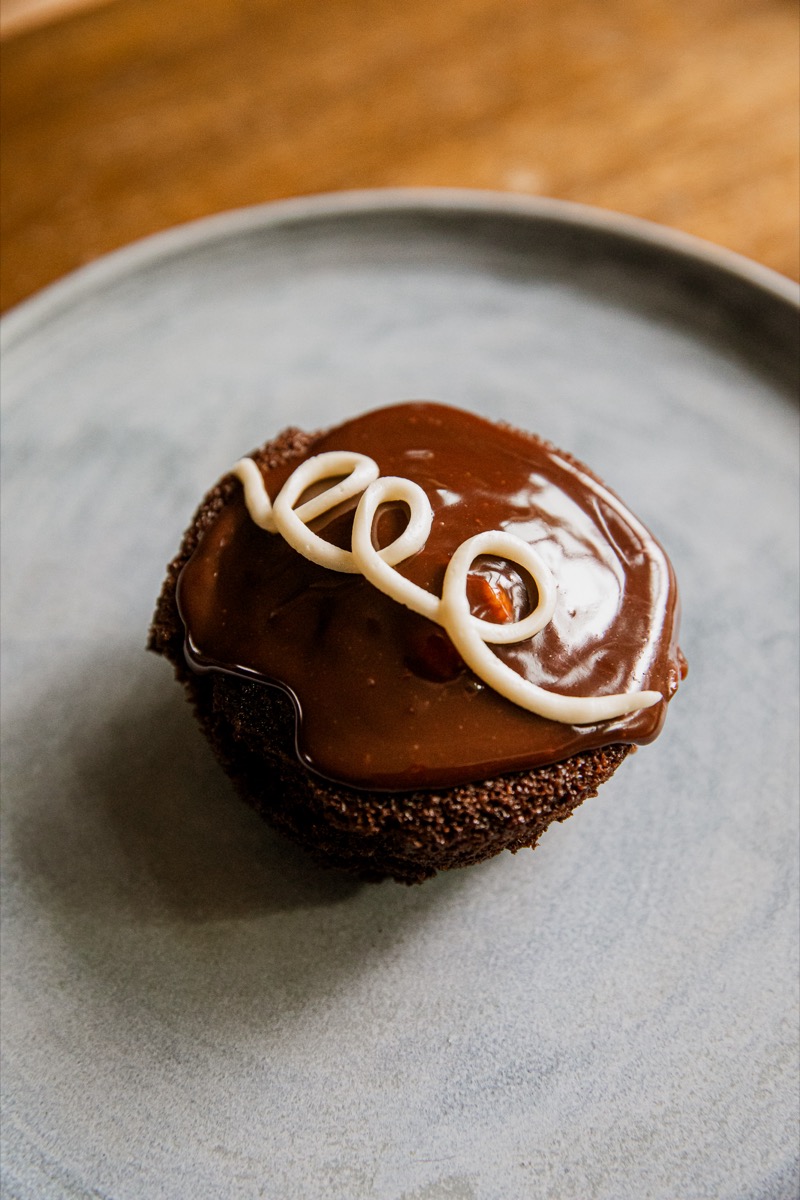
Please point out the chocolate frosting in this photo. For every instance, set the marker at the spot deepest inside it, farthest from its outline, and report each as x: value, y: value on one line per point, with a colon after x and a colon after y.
x: 383, y: 700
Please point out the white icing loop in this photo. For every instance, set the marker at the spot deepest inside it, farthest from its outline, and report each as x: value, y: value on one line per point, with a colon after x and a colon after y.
x: 468, y: 633
x: 283, y: 518
x: 455, y: 604
x: 259, y: 505
x: 378, y: 567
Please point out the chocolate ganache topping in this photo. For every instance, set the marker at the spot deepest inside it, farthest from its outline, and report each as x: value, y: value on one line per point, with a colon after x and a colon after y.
x: 384, y: 700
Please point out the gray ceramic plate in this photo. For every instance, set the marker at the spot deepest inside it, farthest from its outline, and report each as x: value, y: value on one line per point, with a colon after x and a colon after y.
x: 190, y: 1008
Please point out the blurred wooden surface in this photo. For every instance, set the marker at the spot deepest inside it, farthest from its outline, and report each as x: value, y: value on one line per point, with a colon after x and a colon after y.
x: 17, y: 16
x: 126, y: 118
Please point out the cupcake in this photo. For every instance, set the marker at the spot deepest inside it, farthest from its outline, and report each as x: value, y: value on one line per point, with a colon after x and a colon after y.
x: 417, y: 639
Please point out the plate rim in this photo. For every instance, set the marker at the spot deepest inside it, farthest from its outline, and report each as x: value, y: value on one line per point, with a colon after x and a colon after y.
x: 177, y: 239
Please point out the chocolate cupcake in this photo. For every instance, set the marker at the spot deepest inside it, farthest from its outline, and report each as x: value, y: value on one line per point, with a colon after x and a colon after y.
x: 419, y: 638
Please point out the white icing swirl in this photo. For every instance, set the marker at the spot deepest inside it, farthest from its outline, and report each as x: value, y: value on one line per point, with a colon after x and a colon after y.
x: 468, y: 633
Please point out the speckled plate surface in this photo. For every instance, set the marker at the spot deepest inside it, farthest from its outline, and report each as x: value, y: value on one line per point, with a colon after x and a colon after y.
x: 190, y: 1009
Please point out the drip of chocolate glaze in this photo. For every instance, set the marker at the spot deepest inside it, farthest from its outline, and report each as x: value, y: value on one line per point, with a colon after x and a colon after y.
x: 383, y: 700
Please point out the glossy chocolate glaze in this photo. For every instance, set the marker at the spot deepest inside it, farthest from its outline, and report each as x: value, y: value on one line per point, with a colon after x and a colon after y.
x: 383, y: 700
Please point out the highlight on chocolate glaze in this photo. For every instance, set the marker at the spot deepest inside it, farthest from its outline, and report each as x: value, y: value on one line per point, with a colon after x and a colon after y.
x: 359, y: 474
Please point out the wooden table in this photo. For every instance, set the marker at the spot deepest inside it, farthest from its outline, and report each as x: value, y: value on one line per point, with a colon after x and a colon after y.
x: 125, y: 118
